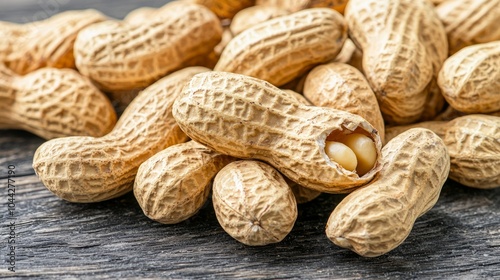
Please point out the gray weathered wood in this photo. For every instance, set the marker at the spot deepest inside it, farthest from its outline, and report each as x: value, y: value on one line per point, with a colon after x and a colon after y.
x: 458, y: 238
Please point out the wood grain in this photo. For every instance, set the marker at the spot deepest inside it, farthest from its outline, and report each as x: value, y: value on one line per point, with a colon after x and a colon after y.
x: 458, y: 238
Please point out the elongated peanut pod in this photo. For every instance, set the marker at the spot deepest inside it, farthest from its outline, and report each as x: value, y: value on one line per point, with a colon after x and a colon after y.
x: 88, y: 169
x: 48, y: 43
x: 470, y: 79
x: 173, y: 185
x: 473, y: 142
x: 281, y: 49
x: 343, y: 87
x: 119, y: 56
x: 253, y: 203
x: 404, y: 45
x: 249, y: 118
x: 469, y: 22
x: 53, y: 103
x: 377, y: 218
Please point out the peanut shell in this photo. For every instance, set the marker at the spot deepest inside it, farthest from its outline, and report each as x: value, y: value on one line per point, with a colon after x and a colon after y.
x: 88, y: 169
x: 249, y: 118
x: 281, y: 49
x: 377, y: 218
x: 253, y: 203
x: 251, y: 16
x: 174, y: 184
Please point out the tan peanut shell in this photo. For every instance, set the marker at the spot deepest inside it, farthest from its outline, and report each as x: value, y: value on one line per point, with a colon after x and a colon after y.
x: 251, y: 16
x: 281, y: 49
x: 469, y: 22
x: 53, y: 103
x: 249, y: 118
x: 297, y: 5
x: 470, y: 79
x: 140, y: 15
x: 343, y: 87
x: 350, y: 54
x: 377, y: 218
x: 253, y: 203
x: 404, y: 45
x: 225, y: 8
x: 46, y: 43
x: 88, y: 169
x: 473, y: 143
x: 119, y: 56
x: 174, y: 184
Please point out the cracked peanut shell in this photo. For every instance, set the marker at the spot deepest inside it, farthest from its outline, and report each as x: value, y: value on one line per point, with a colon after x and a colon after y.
x: 249, y: 118
x: 377, y: 218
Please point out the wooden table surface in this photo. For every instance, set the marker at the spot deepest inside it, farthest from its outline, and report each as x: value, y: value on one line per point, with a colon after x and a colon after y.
x: 458, y: 238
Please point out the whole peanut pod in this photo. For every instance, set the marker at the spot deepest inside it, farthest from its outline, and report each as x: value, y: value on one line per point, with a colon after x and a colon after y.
x: 46, y: 43
x: 88, y: 169
x: 249, y: 118
x: 119, y: 56
x: 53, y: 103
x: 343, y: 87
x: 225, y: 8
x: 297, y: 5
x: 473, y: 142
x: 174, y: 184
x: 469, y: 22
x: 251, y: 16
x: 470, y: 79
x: 283, y: 48
x: 377, y: 218
x: 404, y: 45
x: 253, y: 203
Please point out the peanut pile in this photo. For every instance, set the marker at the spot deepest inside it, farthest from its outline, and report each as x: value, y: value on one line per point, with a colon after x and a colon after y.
x: 263, y: 105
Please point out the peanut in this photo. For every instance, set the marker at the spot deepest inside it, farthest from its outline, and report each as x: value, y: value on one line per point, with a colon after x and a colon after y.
x: 473, y: 142
x: 470, y: 79
x: 88, y: 169
x: 469, y: 22
x: 119, y: 56
x: 251, y: 16
x: 174, y: 184
x: 350, y: 54
x: 297, y: 5
x: 377, y: 218
x: 253, y: 203
x: 343, y: 87
x: 249, y: 118
x: 53, y: 103
x: 281, y: 49
x: 46, y: 43
x: 140, y: 15
x: 404, y: 45
x: 225, y: 8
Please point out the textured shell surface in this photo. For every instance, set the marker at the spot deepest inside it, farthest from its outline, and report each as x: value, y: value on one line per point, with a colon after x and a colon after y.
x: 474, y: 145
x: 297, y: 5
x: 253, y: 203
x: 377, y: 218
x: 53, y: 103
x: 253, y: 15
x: 120, y: 56
x: 249, y: 118
x: 470, y: 79
x: 469, y: 22
x: 343, y: 87
x: 281, y: 49
x: 49, y: 43
x: 174, y: 184
x: 404, y: 45
x: 88, y: 169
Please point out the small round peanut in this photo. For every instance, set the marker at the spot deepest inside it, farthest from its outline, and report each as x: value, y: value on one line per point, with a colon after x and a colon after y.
x: 341, y: 154
x: 253, y: 203
x: 364, y: 149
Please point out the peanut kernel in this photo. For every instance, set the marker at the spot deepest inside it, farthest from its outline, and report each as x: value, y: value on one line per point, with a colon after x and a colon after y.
x: 364, y: 149
x: 341, y: 154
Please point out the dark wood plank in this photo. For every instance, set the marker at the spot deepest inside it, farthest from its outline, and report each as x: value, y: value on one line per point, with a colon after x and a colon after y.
x: 458, y: 238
